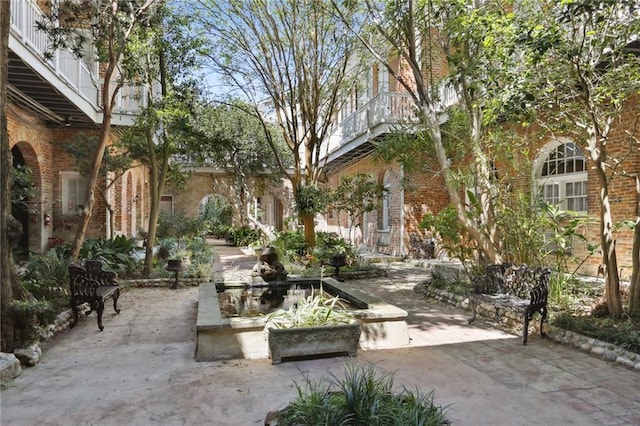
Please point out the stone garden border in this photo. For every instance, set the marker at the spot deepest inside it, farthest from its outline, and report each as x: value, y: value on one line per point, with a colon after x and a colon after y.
x: 513, y: 321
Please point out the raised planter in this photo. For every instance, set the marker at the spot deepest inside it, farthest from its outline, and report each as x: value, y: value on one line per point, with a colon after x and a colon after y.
x: 310, y: 341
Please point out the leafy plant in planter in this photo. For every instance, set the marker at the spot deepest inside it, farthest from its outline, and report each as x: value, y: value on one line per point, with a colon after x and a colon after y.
x: 314, y: 325
x: 313, y: 311
x: 361, y: 398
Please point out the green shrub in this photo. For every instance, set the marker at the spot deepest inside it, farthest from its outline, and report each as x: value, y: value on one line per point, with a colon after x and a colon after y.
x: 221, y: 231
x: 290, y: 245
x: 217, y: 212
x: 243, y: 236
x: 116, y: 254
x: 623, y: 333
x: 196, y: 255
x: 329, y: 244
x: 177, y: 225
x: 361, y: 398
x: 312, y: 311
x: 452, y: 235
x: 47, y: 277
x: 29, y: 316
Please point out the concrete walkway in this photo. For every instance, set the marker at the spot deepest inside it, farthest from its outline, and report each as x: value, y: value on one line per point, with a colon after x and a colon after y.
x: 141, y: 371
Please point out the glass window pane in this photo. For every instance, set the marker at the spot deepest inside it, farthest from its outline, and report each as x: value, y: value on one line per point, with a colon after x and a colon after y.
x: 569, y: 189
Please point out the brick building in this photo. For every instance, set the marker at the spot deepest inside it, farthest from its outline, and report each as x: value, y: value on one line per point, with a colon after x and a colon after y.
x: 51, y: 101
x: 555, y: 169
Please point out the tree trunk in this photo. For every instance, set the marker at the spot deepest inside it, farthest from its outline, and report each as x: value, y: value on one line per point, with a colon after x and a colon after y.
x: 152, y: 229
x: 98, y: 154
x: 6, y: 167
x: 92, y: 181
x: 154, y: 209
x: 609, y: 258
x: 484, y: 243
x: 309, y: 229
x: 157, y: 178
x: 634, y: 289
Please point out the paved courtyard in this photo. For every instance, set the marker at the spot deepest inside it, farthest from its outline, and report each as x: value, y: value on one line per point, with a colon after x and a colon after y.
x: 141, y: 371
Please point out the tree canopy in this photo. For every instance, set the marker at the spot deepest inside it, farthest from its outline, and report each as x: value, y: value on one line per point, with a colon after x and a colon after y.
x: 293, y: 62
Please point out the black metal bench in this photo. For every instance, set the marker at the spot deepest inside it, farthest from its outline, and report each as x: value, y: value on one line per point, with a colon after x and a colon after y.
x: 520, y: 288
x: 422, y: 247
x: 90, y: 284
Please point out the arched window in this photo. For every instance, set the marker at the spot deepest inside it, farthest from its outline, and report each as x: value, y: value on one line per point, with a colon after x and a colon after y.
x: 562, y: 178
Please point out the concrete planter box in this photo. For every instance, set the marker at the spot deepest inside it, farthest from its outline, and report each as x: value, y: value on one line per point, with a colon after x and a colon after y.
x: 307, y: 341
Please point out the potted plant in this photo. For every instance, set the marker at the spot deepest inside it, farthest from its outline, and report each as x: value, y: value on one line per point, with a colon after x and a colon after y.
x: 313, y: 325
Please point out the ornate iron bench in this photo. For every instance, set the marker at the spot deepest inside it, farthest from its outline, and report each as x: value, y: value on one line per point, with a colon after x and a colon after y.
x: 422, y: 247
x: 90, y: 284
x: 506, y: 286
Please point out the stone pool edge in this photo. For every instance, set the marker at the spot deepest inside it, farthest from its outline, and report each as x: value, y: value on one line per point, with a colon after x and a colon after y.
x: 217, y: 338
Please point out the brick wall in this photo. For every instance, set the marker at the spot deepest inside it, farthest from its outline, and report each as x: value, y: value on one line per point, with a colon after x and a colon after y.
x: 409, y: 202
x: 40, y: 147
x: 202, y: 184
x: 622, y: 193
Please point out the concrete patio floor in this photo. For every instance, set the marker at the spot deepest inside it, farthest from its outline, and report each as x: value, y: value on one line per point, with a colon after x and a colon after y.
x: 141, y: 371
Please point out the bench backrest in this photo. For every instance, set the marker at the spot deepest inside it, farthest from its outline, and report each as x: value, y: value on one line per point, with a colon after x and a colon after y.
x: 491, y: 282
x: 519, y: 281
x: 85, y: 279
x: 540, y: 292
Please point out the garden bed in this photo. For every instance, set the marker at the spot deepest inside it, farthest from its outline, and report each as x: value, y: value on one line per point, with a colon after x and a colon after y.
x: 439, y: 290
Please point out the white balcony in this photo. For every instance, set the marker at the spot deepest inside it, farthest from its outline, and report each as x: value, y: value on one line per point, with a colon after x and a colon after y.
x: 380, y: 115
x: 68, y: 75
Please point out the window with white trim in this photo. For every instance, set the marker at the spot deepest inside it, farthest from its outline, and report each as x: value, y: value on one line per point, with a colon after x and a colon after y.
x: 74, y: 188
x: 563, y: 178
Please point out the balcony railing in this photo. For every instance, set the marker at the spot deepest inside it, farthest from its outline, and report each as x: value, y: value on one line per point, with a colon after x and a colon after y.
x: 385, y: 108
x: 78, y: 76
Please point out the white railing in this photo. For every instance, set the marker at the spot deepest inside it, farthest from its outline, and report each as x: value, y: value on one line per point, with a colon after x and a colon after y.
x: 73, y: 71
x: 386, y: 108
x: 130, y: 98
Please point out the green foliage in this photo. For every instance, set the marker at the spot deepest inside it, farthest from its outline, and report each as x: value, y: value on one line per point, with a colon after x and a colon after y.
x: 177, y: 225
x: 362, y: 397
x: 217, y: 212
x: 232, y: 136
x: 415, y: 149
x: 447, y: 225
x: 561, y: 230
x: 29, y: 316
x: 47, y: 277
x: 196, y: 255
x: 623, y: 333
x: 356, y: 194
x: 313, y: 311
x: 520, y: 228
x: 440, y: 282
x: 221, y: 231
x: 290, y: 244
x: 559, y: 295
x: 311, y: 199
x: 244, y: 236
x: 329, y: 244
x: 200, y: 249
x: 22, y: 186
x: 116, y: 254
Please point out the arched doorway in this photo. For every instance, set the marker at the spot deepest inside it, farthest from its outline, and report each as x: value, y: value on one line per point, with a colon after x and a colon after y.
x: 35, y: 212
x: 20, y: 209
